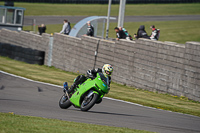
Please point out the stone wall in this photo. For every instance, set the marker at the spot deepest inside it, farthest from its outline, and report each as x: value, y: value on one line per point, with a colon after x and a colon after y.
x: 73, y: 54
x: 152, y: 65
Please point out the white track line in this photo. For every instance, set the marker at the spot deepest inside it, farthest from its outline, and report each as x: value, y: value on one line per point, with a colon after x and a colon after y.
x: 30, y: 79
x: 103, y: 97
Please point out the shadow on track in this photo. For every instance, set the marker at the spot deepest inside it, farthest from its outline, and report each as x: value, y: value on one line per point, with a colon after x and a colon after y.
x: 109, y: 113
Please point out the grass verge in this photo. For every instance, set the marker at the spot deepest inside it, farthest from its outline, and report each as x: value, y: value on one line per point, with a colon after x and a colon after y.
x: 101, y: 9
x: 57, y: 76
x: 10, y: 123
x: 174, y: 31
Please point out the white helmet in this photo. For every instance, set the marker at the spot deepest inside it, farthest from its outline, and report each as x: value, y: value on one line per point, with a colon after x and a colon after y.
x: 107, y: 69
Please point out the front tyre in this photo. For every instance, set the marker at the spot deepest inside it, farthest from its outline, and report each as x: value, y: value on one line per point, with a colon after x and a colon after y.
x: 88, y: 102
x: 64, y: 102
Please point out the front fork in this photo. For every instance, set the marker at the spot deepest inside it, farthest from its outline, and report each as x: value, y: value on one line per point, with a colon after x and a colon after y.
x: 91, y: 92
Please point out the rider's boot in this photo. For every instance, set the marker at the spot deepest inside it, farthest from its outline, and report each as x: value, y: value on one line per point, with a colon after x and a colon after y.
x: 71, y: 90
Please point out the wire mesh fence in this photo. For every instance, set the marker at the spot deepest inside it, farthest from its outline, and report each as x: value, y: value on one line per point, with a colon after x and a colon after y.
x: 29, y: 22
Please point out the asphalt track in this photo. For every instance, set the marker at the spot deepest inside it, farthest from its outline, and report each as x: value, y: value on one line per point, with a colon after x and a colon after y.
x: 30, y: 98
x: 74, y: 19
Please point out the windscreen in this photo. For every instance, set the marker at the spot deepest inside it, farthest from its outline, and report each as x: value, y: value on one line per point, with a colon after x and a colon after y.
x: 104, y: 78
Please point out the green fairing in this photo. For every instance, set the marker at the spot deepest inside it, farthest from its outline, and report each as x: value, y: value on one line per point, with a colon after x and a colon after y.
x: 99, y: 85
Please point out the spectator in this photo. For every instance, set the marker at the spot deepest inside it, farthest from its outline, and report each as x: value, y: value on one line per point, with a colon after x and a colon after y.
x: 155, y: 33
x: 128, y: 36
x: 41, y: 29
x: 141, y: 33
x: 90, y: 29
x: 66, y: 27
x: 120, y: 33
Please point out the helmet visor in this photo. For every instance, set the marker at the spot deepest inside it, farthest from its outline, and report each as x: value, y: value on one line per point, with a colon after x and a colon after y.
x: 108, y: 73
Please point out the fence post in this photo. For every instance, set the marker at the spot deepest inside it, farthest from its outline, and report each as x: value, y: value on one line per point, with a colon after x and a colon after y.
x: 96, y: 52
x: 34, y: 24
x: 50, y: 50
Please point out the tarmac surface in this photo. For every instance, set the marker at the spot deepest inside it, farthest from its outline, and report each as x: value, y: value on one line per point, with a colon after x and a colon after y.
x: 30, y: 98
x: 74, y: 19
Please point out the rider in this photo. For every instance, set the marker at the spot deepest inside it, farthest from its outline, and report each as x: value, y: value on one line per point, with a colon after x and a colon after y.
x: 107, y: 70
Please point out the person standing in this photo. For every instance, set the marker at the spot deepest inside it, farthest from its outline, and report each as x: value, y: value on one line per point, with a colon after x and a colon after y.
x: 41, y: 29
x: 66, y: 27
x: 155, y: 33
x: 90, y: 29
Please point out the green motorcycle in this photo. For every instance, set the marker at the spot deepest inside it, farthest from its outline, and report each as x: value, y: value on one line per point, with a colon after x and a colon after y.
x: 87, y: 94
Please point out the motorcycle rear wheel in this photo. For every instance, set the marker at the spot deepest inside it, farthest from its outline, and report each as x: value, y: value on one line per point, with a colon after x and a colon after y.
x: 88, y: 102
x: 64, y: 102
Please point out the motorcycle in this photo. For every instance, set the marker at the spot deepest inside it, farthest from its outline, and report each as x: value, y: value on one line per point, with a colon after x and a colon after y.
x: 87, y: 94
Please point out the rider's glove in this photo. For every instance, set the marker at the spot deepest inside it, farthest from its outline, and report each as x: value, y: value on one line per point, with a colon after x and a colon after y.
x: 89, y: 73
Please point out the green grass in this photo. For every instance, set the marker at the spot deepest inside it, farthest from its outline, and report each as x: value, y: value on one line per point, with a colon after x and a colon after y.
x: 57, y: 76
x: 11, y: 123
x: 101, y: 10
x: 174, y: 31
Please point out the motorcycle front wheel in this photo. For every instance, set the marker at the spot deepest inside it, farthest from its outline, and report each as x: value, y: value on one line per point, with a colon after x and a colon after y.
x: 88, y: 102
x: 64, y: 102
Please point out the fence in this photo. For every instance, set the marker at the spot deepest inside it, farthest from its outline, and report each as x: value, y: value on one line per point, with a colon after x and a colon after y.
x: 152, y: 65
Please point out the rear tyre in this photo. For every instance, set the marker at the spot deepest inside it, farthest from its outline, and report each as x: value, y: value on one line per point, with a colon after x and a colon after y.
x: 64, y: 102
x: 88, y: 102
